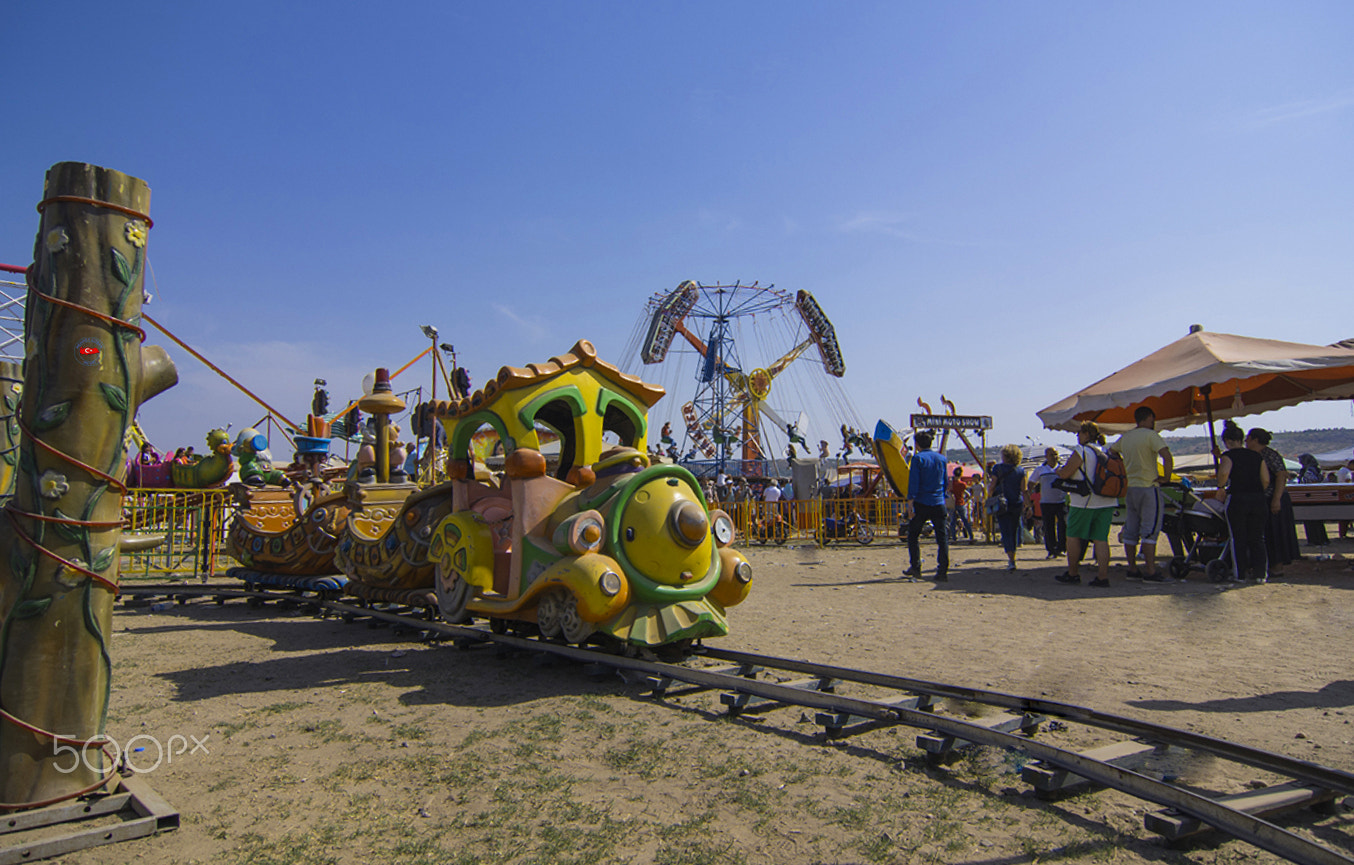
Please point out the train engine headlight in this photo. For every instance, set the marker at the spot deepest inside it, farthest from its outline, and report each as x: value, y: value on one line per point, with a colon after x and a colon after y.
x: 742, y: 572
x: 689, y: 523
x: 581, y: 533
x: 735, y: 580
x: 610, y: 583
x: 721, y: 525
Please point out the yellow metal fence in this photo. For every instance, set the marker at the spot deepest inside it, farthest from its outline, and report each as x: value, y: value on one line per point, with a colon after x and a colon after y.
x: 193, y: 525
x: 805, y: 519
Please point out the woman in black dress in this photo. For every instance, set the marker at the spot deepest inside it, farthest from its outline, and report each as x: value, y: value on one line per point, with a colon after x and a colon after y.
x: 1243, y: 474
x: 1281, y: 530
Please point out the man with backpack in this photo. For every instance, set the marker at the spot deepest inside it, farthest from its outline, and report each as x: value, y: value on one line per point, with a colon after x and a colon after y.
x: 1144, y: 504
x: 1089, y: 511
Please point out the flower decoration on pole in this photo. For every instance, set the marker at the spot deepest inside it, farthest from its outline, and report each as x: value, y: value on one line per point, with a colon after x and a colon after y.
x: 136, y: 233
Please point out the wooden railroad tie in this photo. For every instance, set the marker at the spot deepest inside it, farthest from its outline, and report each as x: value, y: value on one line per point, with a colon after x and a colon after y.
x: 1267, y: 802
x: 940, y: 746
x: 1048, y: 780
x: 658, y: 685
x: 835, y: 724
x: 736, y: 702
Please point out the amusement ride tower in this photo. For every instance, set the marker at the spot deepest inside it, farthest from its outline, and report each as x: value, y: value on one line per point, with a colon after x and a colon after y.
x: 723, y: 420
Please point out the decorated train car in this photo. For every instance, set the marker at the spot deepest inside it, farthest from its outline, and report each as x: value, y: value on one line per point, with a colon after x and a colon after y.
x: 277, y: 531
x: 384, y: 548
x: 586, y: 539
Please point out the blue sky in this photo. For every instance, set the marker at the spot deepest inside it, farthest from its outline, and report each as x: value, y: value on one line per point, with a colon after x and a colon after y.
x: 961, y: 185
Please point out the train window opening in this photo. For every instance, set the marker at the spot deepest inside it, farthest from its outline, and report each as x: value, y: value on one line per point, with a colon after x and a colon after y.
x: 558, y: 417
x: 618, y: 423
x: 486, y: 447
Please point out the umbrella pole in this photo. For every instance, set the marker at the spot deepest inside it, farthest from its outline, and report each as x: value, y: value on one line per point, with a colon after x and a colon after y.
x: 1207, y: 390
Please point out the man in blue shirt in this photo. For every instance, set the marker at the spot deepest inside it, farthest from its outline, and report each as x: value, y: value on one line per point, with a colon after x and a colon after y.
x: 926, y: 501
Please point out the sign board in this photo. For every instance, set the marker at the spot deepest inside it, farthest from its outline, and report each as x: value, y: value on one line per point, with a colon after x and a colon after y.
x: 951, y: 421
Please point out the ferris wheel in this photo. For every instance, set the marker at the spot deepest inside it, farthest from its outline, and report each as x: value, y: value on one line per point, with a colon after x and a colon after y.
x: 744, y: 339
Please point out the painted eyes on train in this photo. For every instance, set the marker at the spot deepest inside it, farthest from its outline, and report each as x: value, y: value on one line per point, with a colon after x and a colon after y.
x: 629, y: 533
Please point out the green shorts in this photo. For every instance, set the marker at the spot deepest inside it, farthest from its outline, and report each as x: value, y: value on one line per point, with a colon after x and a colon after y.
x: 1089, y: 524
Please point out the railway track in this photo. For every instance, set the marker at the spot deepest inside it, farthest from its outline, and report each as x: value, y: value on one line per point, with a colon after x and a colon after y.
x: 848, y: 702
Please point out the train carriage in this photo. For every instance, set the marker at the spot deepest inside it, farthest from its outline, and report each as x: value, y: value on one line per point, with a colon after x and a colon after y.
x: 591, y: 540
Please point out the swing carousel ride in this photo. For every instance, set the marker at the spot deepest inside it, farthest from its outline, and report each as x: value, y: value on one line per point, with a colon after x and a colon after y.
x: 767, y: 369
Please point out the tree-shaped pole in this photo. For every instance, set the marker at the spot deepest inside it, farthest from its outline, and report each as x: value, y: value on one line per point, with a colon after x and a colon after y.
x: 85, y: 373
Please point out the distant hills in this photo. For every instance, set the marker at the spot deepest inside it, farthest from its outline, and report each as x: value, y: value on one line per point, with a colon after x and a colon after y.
x: 1290, y: 444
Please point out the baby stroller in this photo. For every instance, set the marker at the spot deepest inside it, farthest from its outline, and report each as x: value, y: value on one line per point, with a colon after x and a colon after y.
x: 1198, y: 533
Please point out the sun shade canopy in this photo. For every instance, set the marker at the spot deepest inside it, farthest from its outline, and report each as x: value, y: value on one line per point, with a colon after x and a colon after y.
x: 1236, y: 375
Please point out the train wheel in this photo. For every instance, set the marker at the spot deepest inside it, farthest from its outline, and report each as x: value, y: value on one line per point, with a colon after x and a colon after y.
x: 548, y: 612
x: 673, y: 653
x: 451, y: 600
x: 571, y: 625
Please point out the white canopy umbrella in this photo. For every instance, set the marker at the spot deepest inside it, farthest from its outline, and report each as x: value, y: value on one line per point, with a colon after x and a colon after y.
x: 1206, y: 375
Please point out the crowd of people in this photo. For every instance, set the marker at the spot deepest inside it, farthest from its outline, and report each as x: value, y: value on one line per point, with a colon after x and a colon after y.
x: 1057, y: 502
x: 1067, y: 505
x: 149, y: 456
x: 725, y: 490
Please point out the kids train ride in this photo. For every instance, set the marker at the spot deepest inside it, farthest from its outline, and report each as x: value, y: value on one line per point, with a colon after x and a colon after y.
x: 585, y: 539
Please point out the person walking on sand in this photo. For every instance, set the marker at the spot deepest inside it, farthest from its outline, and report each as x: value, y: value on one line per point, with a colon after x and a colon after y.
x: 1144, y: 504
x: 1088, y: 514
x: 1007, y: 482
x: 926, y: 501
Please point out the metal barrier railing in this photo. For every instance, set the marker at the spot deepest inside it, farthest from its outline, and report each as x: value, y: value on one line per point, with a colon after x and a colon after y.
x: 193, y: 524
x: 805, y: 519
x: 779, y: 522
x: 13, y: 293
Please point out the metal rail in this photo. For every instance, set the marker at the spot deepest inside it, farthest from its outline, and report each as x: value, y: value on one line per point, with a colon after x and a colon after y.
x: 1334, y: 779
x: 1236, y: 823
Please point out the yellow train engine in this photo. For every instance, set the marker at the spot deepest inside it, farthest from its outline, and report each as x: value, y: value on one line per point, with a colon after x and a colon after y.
x: 588, y: 539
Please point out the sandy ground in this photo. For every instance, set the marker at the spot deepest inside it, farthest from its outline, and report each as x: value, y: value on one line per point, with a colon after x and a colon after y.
x: 338, y: 743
